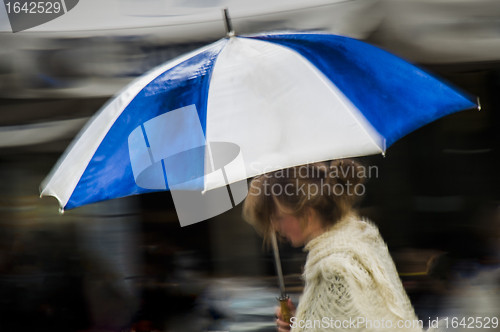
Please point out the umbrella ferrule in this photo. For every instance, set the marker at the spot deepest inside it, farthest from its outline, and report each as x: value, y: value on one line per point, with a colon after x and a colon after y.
x: 227, y: 22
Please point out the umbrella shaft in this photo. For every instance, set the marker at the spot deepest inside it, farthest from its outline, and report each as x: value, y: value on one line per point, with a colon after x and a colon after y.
x: 278, y: 264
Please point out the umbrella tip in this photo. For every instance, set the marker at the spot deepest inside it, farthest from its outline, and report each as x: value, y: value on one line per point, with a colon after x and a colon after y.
x: 478, y: 104
x: 383, y: 154
x: 61, y: 210
x: 227, y: 23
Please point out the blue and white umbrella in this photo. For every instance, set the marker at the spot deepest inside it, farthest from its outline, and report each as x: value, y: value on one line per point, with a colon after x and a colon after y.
x: 283, y: 99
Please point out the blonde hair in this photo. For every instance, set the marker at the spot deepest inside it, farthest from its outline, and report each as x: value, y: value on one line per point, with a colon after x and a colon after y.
x: 332, y: 198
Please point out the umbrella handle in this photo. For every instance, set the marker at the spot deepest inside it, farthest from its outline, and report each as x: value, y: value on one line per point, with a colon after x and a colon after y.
x: 285, y: 310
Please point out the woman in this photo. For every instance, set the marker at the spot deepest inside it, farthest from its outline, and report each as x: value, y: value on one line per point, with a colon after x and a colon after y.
x: 351, y: 282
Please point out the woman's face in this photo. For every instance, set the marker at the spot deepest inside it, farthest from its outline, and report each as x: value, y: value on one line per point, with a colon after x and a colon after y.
x: 290, y: 227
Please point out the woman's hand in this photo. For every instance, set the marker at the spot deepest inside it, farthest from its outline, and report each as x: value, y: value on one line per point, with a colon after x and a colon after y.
x: 282, y: 325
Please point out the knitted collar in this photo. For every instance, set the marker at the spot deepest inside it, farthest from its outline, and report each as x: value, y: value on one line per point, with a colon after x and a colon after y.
x: 338, y: 228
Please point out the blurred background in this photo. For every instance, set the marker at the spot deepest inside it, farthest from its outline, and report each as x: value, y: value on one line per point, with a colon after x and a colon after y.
x: 127, y: 265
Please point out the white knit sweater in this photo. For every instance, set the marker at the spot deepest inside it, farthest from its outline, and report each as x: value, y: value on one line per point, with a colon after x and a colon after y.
x: 350, y: 276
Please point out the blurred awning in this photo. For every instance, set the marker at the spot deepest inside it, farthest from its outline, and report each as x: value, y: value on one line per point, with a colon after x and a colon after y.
x: 441, y: 31
x: 101, y: 45
x: 195, y: 20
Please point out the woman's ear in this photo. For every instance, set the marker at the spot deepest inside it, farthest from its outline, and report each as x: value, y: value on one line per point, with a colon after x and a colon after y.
x: 310, y: 217
x: 313, y: 219
x: 314, y: 215
x: 304, y: 219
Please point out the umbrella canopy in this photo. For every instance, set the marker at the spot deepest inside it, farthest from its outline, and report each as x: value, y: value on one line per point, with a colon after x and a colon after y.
x: 270, y: 101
